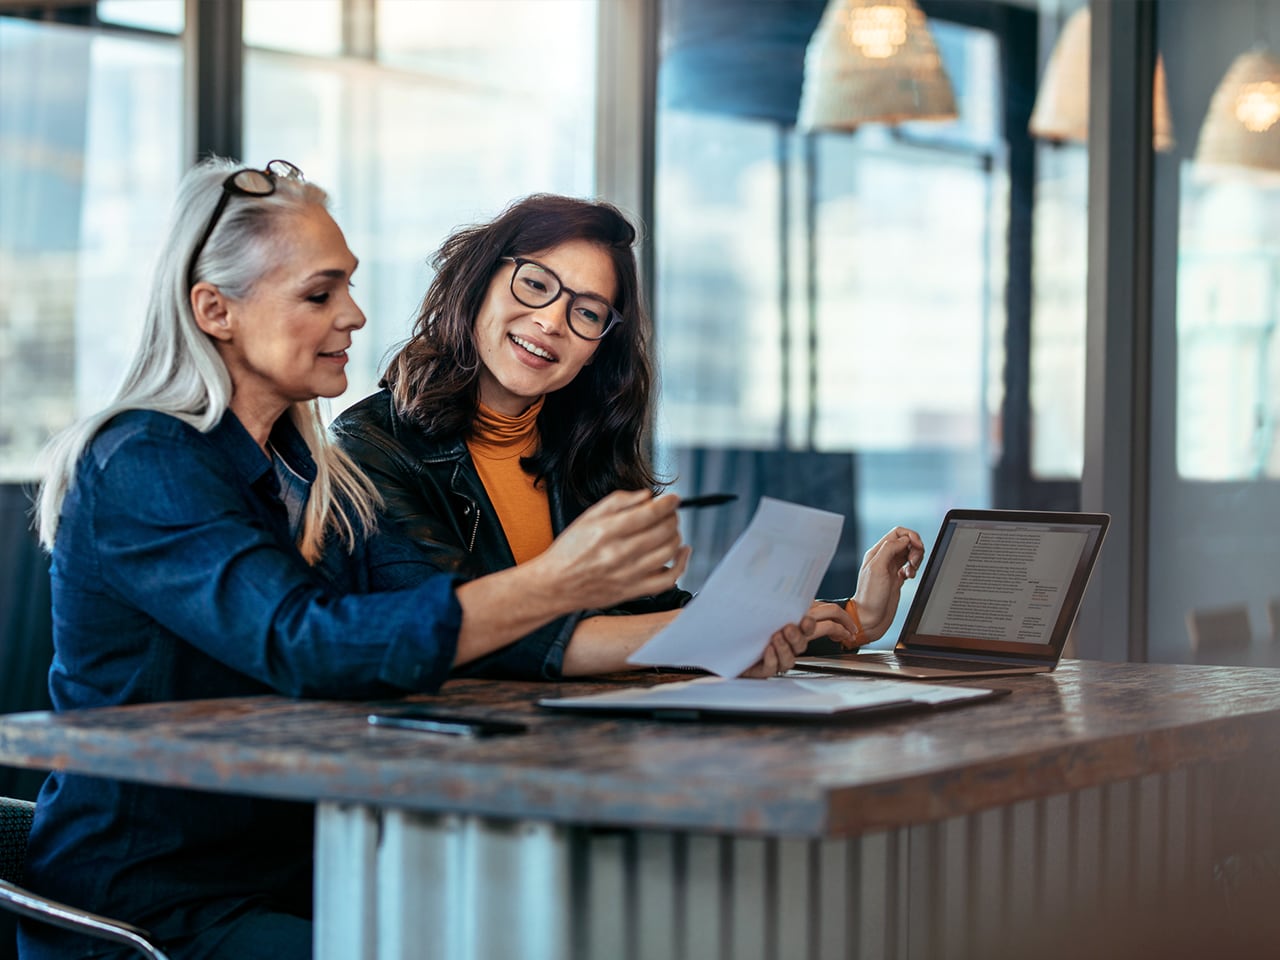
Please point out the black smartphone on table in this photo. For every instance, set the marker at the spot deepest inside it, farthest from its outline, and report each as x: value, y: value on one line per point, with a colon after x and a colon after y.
x: 426, y: 720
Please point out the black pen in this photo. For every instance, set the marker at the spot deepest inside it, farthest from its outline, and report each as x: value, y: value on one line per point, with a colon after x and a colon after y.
x: 707, y: 500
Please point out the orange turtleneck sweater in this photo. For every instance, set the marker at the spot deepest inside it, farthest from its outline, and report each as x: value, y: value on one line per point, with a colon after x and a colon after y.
x: 496, y: 447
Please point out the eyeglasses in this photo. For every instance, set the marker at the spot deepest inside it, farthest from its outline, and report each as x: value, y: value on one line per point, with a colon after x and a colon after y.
x: 243, y: 183
x: 534, y: 285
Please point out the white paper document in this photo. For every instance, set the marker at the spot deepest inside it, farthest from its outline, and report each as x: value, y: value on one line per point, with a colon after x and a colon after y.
x: 766, y: 580
x: 782, y: 696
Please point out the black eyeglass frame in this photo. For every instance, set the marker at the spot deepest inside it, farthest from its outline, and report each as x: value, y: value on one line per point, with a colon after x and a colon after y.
x: 615, y: 317
x: 231, y: 186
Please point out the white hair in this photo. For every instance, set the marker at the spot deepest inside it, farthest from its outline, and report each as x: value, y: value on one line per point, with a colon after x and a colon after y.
x: 178, y: 371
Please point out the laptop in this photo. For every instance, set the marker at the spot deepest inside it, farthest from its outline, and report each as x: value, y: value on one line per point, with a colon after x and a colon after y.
x: 999, y: 593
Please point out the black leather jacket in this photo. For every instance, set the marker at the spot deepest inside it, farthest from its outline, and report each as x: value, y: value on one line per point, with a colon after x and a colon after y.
x: 432, y: 491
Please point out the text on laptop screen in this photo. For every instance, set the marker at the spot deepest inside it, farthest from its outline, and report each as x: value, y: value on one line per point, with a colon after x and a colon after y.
x: 1003, y: 584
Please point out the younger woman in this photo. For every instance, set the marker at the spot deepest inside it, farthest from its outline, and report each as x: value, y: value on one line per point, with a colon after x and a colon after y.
x: 522, y: 398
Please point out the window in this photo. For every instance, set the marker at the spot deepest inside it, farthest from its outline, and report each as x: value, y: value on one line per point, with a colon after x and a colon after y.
x: 163, y: 16
x: 1228, y: 411
x: 830, y: 307
x: 1060, y: 249
x: 90, y: 123
x: 420, y: 119
x: 461, y: 111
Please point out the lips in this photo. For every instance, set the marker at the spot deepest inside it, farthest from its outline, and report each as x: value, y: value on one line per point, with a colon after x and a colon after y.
x: 335, y: 354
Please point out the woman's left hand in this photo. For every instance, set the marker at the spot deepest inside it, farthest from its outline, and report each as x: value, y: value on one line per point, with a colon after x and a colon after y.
x: 894, y: 560
x: 784, y: 646
x: 833, y: 622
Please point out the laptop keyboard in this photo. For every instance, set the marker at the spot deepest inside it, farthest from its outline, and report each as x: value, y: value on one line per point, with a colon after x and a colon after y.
x: 960, y: 666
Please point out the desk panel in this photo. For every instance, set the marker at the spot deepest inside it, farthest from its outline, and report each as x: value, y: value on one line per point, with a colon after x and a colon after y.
x: 1101, y: 872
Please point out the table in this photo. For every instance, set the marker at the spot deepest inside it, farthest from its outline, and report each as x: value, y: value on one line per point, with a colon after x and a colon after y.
x: 1118, y: 804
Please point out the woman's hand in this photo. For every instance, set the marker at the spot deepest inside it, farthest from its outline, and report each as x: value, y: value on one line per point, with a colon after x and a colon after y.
x: 784, y: 646
x: 833, y: 621
x: 625, y: 546
x: 889, y: 564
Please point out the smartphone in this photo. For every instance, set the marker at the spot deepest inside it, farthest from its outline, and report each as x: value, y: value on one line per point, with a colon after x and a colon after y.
x: 433, y: 721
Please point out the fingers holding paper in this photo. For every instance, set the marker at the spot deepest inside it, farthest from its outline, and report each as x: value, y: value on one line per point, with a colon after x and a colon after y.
x: 891, y: 562
x: 767, y: 578
x: 784, y: 646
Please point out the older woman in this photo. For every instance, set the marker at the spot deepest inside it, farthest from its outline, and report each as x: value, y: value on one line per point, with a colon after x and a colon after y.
x: 208, y: 541
x: 523, y: 397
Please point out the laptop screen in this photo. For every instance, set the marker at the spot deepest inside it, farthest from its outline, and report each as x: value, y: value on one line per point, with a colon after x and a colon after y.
x: 1005, y: 583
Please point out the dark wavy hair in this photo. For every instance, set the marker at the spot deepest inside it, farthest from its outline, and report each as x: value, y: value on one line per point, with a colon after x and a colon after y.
x: 593, y: 430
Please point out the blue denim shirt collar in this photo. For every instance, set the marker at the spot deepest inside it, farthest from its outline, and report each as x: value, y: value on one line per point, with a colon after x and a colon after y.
x: 247, y: 457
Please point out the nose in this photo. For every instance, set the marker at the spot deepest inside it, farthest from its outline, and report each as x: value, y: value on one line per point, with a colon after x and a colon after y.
x: 350, y: 318
x: 551, y: 317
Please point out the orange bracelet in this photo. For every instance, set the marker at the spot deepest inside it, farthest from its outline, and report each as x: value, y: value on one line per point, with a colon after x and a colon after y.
x: 851, y: 607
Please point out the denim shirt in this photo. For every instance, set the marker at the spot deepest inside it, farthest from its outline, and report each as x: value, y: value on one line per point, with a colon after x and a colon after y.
x: 175, y: 577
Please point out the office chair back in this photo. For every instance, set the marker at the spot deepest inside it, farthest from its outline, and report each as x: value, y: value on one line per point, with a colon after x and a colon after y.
x: 15, y: 827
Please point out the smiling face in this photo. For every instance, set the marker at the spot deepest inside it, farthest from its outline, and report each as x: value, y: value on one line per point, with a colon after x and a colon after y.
x: 527, y: 352
x: 287, y: 341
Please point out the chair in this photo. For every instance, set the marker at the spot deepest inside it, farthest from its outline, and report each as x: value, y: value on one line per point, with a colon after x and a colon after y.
x: 1220, y: 634
x: 15, y: 827
x: 26, y: 625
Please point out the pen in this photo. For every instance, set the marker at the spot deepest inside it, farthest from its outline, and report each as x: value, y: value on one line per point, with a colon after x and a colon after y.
x: 707, y: 500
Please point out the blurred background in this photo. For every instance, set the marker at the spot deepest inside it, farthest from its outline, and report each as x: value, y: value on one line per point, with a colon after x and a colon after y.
x: 900, y: 256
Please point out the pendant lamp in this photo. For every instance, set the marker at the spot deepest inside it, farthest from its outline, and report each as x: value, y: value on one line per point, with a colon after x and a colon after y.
x: 1061, y: 110
x: 872, y: 61
x: 1242, y: 127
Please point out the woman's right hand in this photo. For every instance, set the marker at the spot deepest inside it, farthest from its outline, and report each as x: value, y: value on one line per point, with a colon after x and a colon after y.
x: 784, y: 646
x: 625, y: 546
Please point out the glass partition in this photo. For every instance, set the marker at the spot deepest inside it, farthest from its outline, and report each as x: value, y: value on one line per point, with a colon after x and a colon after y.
x: 1214, y: 593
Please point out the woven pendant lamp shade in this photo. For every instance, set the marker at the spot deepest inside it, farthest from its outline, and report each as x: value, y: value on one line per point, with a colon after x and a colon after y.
x: 872, y: 61
x: 1061, y: 110
x: 1242, y: 127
